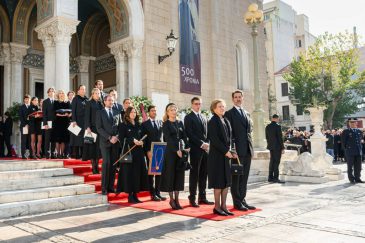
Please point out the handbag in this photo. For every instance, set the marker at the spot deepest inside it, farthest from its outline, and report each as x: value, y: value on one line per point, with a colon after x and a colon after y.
x: 183, y: 163
x: 237, y: 169
x: 127, y: 159
x: 88, y: 140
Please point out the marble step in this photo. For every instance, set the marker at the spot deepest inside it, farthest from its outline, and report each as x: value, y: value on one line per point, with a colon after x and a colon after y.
x: 44, y: 193
x: 23, y: 184
x: 29, y: 174
x: 17, y: 209
x: 17, y: 165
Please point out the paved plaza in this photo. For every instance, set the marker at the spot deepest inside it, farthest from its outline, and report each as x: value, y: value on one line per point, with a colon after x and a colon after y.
x: 291, y: 212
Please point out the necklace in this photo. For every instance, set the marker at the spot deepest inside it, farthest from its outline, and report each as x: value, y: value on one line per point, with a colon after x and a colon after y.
x: 158, y: 162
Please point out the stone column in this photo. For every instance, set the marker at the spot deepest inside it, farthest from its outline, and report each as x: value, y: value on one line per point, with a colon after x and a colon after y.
x: 17, y: 51
x: 83, y: 74
x: 118, y: 50
x: 49, y: 57
x: 134, y: 52
x: 5, y: 53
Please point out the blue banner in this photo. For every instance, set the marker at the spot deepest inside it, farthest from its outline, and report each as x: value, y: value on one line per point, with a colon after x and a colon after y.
x: 156, y: 163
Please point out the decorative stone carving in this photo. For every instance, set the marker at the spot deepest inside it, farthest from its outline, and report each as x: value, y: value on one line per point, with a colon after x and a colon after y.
x: 104, y: 64
x: 83, y: 63
x: 133, y: 48
x: 34, y: 61
x: 5, y: 52
x: 17, y: 52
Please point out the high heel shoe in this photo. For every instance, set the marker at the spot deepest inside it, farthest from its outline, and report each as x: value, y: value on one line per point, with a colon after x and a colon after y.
x: 178, y: 206
x: 136, y: 198
x: 173, y: 204
x: 218, y: 212
x: 227, y: 211
x: 131, y: 199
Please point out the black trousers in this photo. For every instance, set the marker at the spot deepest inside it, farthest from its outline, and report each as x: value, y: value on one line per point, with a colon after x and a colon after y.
x: 154, y: 184
x: 2, y: 147
x: 239, y: 182
x: 353, y: 167
x: 275, y: 156
x: 110, y: 155
x: 198, y: 174
x: 48, y: 143
x: 8, y: 145
x: 25, y: 142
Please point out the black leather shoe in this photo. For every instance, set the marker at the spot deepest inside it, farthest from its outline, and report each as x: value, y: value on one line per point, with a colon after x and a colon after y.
x: 205, y: 201
x: 131, y: 199
x: 227, y: 211
x: 136, y: 198
x: 241, y: 208
x: 352, y: 182
x: 155, y: 198
x: 270, y: 180
x: 248, y: 206
x: 178, y: 206
x: 111, y: 191
x: 161, y: 197
x: 194, y: 204
x: 359, y: 181
x: 219, y: 212
x: 173, y: 204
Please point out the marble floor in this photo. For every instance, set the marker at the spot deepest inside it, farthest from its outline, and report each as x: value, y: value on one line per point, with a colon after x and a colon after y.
x: 330, y: 212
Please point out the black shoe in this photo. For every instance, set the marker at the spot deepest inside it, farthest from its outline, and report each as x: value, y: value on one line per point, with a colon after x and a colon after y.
x: 227, y: 211
x: 178, y: 206
x: 352, y: 182
x: 161, y: 197
x: 23, y: 157
x: 219, y: 212
x: 270, y: 180
x: 359, y: 181
x: 136, y: 198
x: 131, y: 199
x: 205, y: 201
x: 173, y: 204
x: 193, y: 204
x: 241, y: 208
x: 248, y: 206
x: 104, y: 192
x: 111, y: 191
x: 155, y: 198
x: 278, y: 181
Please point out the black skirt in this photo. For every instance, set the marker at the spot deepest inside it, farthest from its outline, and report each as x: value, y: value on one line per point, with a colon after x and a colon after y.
x: 172, y: 179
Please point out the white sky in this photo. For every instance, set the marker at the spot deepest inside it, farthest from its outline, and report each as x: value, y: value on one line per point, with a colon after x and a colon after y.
x: 331, y: 15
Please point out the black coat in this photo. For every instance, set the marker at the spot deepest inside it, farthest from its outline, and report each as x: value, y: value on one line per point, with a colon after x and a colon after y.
x: 48, y: 111
x: 171, y: 178
x: 274, y: 137
x: 330, y: 141
x: 153, y: 134
x: 7, y: 127
x: 132, y: 177
x: 91, y: 109
x: 117, y: 107
x: 351, y: 141
x: 196, y: 132
x: 219, y: 173
x: 106, y: 127
x: 23, y: 115
x: 241, y: 131
x: 78, y: 110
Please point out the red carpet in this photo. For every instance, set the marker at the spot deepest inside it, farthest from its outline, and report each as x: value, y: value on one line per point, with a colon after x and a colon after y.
x: 83, y: 168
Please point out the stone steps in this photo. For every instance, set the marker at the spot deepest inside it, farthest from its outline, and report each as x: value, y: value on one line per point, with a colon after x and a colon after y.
x: 37, y: 173
x: 12, y: 165
x: 44, y: 193
x: 17, y: 209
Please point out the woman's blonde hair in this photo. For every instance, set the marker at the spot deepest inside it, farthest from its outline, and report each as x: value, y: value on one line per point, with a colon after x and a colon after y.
x: 215, y: 103
x: 168, y: 108
x: 92, y: 92
x: 58, y: 95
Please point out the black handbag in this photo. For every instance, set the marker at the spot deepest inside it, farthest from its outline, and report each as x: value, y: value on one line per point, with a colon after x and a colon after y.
x: 127, y: 158
x: 88, y: 140
x: 237, y: 169
x: 183, y: 163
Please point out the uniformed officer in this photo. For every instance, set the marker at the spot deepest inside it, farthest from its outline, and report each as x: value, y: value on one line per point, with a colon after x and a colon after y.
x: 351, y: 142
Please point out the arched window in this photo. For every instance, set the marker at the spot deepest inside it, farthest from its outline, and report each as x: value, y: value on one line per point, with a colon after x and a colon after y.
x: 242, y: 67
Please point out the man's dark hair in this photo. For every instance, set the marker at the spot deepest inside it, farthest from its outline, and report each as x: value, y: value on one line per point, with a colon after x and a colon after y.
x: 26, y: 96
x: 194, y: 99
x: 112, y: 90
x: 150, y: 108
x: 107, y: 96
x: 237, y: 92
x: 97, y: 81
x: 275, y: 116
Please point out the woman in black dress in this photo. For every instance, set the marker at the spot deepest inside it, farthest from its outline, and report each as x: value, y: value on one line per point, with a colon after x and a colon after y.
x: 78, y: 118
x: 172, y: 176
x: 60, y: 134
x: 132, y: 177
x: 219, y: 173
x: 92, y: 151
x: 35, y: 123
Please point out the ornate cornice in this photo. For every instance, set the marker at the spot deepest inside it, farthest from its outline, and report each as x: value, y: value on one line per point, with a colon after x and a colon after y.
x: 18, y: 51
x: 131, y: 47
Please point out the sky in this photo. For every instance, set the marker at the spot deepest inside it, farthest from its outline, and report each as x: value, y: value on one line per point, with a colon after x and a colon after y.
x: 331, y: 15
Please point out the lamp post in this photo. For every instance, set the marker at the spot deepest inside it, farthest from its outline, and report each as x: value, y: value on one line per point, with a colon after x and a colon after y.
x: 171, y: 44
x: 253, y: 17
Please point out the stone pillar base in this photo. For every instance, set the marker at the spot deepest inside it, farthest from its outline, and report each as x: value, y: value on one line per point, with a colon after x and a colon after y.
x: 305, y: 179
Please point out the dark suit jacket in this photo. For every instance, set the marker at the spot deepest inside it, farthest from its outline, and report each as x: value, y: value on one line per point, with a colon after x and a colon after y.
x: 91, y: 108
x: 196, y: 131
x: 153, y: 134
x: 8, y: 127
x: 106, y: 127
x: 117, y: 107
x: 23, y: 115
x: 78, y: 110
x: 48, y: 111
x: 241, y: 130
x: 274, y: 137
x: 351, y: 141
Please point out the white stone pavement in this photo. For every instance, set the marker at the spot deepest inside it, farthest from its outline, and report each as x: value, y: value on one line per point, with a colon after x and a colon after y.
x: 292, y: 212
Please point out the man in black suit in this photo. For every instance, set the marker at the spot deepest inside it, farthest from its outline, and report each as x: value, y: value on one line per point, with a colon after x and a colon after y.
x: 153, y: 128
x: 116, y: 106
x: 7, y: 132
x: 275, y: 144
x: 100, y: 85
x: 107, y: 122
x: 196, y: 131
x: 48, y: 119
x: 241, y: 130
x: 24, y: 122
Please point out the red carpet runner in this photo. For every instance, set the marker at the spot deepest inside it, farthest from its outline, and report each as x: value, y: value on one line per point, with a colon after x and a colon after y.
x: 83, y: 168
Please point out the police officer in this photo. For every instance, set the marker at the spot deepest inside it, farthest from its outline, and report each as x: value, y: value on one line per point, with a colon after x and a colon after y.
x: 351, y: 143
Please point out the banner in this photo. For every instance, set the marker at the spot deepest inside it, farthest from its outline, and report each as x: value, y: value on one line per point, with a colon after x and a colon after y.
x: 156, y: 163
x: 190, y: 61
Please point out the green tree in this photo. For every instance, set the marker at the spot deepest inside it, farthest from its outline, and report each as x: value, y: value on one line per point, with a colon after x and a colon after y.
x: 327, y: 74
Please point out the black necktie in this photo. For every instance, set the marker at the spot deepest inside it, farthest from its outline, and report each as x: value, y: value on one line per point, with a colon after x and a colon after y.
x: 110, y: 114
x: 242, y: 113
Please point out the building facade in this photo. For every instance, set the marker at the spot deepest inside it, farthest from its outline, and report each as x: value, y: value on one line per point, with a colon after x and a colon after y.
x: 66, y: 43
x: 287, y: 35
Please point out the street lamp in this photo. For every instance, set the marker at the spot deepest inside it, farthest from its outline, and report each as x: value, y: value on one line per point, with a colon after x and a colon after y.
x: 253, y: 17
x: 171, y: 44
